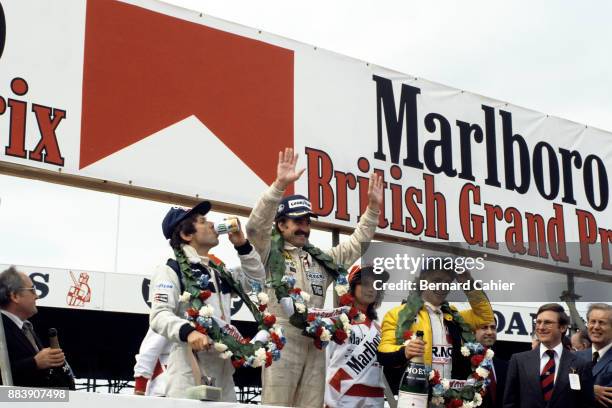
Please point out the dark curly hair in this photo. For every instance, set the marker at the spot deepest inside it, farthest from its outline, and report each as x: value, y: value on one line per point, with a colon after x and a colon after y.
x: 186, y: 227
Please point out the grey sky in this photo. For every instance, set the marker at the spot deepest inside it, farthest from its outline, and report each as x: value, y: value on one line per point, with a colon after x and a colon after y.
x: 549, y: 56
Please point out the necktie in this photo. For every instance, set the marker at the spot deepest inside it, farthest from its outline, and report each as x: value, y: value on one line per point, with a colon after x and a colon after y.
x: 28, y: 330
x: 493, y: 388
x: 595, y: 357
x: 547, y: 378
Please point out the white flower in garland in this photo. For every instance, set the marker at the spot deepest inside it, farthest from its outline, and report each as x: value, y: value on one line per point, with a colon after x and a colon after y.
x: 263, y: 298
x: 437, y: 400
x: 325, y: 335
x: 185, y: 297
x: 341, y: 289
x: 483, y: 372
x: 445, y: 383
x: 477, y: 400
x: 220, y: 347
x: 305, y: 296
x: 207, y: 311
x: 300, y: 307
x: 260, y: 357
x: 489, y: 354
x: 465, y: 351
x: 344, y: 319
x: 467, y: 404
x: 227, y: 354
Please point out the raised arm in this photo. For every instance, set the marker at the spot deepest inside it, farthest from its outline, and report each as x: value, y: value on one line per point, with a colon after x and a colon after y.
x: 349, y: 251
x: 259, y: 224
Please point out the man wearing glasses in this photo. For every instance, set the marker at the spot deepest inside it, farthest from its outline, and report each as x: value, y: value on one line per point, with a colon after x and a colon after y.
x: 599, y: 325
x: 30, y: 362
x: 549, y: 376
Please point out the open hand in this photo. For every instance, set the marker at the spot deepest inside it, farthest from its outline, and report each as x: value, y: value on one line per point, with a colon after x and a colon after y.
x: 375, y: 192
x: 285, y: 170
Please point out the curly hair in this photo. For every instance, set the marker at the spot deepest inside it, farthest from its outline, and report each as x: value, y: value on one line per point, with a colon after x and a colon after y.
x: 186, y: 227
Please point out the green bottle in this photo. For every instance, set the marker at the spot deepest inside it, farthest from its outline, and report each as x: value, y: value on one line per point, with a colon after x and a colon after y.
x: 414, y: 387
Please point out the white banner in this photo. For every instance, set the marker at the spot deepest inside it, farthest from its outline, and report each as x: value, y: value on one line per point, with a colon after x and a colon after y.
x: 142, y: 93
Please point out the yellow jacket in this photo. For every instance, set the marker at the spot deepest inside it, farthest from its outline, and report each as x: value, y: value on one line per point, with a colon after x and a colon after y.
x: 480, y: 313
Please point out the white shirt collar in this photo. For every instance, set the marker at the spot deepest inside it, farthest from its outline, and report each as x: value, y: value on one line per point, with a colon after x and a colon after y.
x: 432, y: 308
x: 14, y: 318
x: 602, y: 350
x: 558, y: 350
x: 193, y: 256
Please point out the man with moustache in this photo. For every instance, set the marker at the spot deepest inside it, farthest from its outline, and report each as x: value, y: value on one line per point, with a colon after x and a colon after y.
x: 30, y: 361
x: 298, y: 378
x: 599, y: 326
x: 549, y: 376
x: 486, y: 335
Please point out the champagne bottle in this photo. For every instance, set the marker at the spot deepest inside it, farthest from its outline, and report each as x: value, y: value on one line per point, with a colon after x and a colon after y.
x: 414, y: 387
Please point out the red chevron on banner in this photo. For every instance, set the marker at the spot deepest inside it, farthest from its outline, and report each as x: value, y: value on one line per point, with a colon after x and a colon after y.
x: 144, y: 71
x: 340, y: 376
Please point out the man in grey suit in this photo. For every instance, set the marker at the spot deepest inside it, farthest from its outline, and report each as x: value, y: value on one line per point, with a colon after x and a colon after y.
x: 599, y: 325
x: 549, y: 376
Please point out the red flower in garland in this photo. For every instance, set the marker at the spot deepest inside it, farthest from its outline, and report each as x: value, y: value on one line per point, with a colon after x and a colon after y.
x: 201, y: 329
x: 318, y: 332
x: 297, y: 291
x: 191, y: 312
x: 268, y: 359
x: 407, y: 335
x: 353, y: 313
x: 454, y: 403
x: 245, y: 340
x: 346, y: 299
x: 318, y: 344
x: 205, y: 294
x: 340, y: 336
x: 277, y: 340
x: 262, y: 307
x: 476, y: 360
x: 269, y: 320
x: 436, y: 378
x: 237, y: 363
x: 310, y: 318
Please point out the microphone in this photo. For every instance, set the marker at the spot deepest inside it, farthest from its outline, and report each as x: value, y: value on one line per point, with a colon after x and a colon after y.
x: 53, y: 341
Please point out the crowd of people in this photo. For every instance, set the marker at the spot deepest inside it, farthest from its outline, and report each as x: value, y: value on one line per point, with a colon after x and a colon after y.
x: 352, y: 373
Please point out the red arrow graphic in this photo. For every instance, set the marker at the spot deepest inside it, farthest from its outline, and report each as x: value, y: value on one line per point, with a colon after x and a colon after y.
x: 144, y: 71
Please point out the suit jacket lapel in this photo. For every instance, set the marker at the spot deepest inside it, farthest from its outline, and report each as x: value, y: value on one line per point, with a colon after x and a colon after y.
x: 562, y: 382
x: 18, y: 334
x: 602, y: 362
x: 532, y: 366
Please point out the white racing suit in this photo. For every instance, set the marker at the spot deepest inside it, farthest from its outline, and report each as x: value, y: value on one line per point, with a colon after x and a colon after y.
x: 151, y: 363
x: 168, y: 319
x: 297, y: 379
x: 354, y: 379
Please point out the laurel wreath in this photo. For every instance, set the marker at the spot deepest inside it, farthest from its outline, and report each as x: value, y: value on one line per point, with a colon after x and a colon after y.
x: 322, y: 330
x: 242, y: 351
x: 470, y: 395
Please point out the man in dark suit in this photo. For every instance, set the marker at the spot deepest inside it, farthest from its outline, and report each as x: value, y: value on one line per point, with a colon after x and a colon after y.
x: 30, y: 362
x: 487, y: 336
x: 549, y: 376
x: 599, y: 325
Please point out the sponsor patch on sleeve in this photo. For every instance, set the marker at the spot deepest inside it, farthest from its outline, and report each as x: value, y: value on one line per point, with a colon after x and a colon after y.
x: 160, y: 298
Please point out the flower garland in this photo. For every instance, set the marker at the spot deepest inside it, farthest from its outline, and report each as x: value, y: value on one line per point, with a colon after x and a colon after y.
x: 471, y: 393
x: 266, y: 346
x: 322, y: 329
x: 407, y: 316
x: 474, y: 389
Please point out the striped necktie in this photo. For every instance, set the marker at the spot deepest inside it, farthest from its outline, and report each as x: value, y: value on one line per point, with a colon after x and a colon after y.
x: 28, y: 330
x: 547, y: 378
